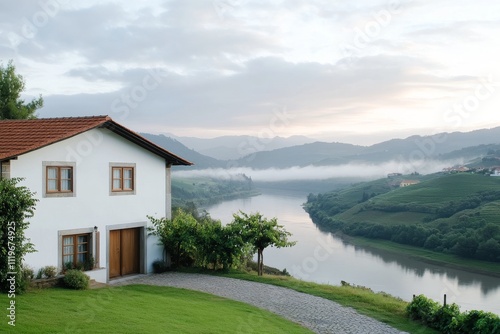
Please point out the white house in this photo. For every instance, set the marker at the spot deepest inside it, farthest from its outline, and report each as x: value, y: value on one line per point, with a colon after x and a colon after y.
x: 95, y: 181
x: 406, y: 183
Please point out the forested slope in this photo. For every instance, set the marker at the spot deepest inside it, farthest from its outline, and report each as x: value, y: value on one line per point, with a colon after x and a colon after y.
x: 450, y: 213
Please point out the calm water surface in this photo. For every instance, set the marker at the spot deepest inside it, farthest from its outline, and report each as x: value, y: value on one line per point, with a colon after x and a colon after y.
x: 323, y: 258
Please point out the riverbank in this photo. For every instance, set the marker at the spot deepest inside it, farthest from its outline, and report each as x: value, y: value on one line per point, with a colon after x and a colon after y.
x: 427, y: 256
x: 324, y: 258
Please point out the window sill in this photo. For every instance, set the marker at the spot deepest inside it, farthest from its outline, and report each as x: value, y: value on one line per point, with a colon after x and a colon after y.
x: 48, y: 195
x: 121, y: 193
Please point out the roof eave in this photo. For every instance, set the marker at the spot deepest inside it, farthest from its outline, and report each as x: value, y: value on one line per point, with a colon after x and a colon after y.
x: 170, y: 158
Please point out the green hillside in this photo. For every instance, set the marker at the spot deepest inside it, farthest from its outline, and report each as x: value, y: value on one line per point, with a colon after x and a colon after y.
x: 205, y: 190
x: 442, y: 189
x: 449, y: 213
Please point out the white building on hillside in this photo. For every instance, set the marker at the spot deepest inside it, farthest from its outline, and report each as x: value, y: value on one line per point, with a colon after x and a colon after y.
x: 95, y: 181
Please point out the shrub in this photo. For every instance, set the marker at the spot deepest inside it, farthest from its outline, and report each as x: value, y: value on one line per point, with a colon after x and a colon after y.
x: 79, y: 266
x: 423, y: 309
x: 28, y: 273
x: 39, y: 274
x: 444, y: 318
x: 478, y: 322
x: 46, y: 272
x: 449, y: 320
x: 76, y: 279
x: 17, y: 204
x: 68, y: 266
x: 89, y: 263
x: 159, y: 266
x: 50, y: 271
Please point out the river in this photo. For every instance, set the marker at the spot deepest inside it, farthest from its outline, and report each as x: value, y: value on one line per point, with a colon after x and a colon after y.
x: 323, y: 258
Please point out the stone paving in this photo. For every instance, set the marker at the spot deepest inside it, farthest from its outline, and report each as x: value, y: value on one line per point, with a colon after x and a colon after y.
x: 318, y: 314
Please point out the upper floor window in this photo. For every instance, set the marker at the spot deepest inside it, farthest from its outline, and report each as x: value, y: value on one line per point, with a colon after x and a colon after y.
x: 5, y: 170
x: 122, y: 178
x: 59, y: 179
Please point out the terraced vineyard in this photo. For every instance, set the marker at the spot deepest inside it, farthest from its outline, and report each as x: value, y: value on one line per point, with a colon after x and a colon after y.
x: 449, y: 213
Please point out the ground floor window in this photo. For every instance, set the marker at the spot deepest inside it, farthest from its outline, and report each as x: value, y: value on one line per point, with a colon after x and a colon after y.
x: 79, y: 249
x: 76, y: 249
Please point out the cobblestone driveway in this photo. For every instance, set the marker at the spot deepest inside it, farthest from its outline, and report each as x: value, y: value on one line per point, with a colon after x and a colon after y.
x: 318, y: 314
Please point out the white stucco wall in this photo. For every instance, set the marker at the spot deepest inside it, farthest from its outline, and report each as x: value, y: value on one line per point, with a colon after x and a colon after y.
x: 92, y: 153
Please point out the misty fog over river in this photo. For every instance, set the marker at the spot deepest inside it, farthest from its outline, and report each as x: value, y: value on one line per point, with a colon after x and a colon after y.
x: 323, y: 258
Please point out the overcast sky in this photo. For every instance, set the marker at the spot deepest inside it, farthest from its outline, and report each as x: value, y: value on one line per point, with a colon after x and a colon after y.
x: 351, y: 71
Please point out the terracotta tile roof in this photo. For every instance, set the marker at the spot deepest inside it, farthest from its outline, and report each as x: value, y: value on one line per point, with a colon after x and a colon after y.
x: 22, y: 136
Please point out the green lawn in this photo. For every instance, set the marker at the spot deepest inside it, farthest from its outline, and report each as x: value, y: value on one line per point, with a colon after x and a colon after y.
x: 138, y: 309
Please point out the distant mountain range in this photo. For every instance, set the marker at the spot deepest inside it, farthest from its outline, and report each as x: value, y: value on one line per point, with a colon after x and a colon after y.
x: 254, y: 152
x: 176, y: 147
x: 235, y: 147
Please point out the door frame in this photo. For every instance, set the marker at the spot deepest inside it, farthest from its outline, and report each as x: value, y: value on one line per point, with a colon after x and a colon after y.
x: 142, y: 244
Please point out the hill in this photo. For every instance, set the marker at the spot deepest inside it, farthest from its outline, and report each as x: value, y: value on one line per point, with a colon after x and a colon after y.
x: 200, y: 161
x: 455, y: 147
x: 235, y: 147
x: 302, y: 155
x: 449, y: 213
x: 200, y: 191
x: 473, y: 147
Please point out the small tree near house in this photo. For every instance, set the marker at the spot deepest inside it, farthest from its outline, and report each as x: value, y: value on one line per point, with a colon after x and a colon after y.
x: 261, y: 233
x: 16, y: 206
x: 177, y: 235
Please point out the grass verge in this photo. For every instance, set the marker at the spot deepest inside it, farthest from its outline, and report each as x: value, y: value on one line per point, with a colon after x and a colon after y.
x: 139, y: 309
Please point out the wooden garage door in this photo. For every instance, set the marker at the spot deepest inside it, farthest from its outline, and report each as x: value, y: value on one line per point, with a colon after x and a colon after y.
x: 124, y: 252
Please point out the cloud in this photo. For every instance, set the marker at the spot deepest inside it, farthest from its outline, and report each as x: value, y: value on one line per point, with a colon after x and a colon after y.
x: 227, y: 66
x: 313, y: 94
x: 364, y: 171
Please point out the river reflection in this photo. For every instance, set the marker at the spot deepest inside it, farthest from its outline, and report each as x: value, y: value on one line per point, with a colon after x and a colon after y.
x: 323, y: 258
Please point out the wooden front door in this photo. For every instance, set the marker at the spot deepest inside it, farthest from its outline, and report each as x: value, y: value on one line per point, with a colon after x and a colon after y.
x: 124, y: 252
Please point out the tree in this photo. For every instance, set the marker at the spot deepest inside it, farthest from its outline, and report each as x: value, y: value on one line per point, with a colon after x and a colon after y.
x: 466, y: 246
x: 489, y: 231
x: 218, y: 246
x: 261, y: 233
x: 489, y: 250
x: 11, y: 87
x: 177, y: 235
x: 16, y: 205
x: 432, y: 242
x: 365, y: 197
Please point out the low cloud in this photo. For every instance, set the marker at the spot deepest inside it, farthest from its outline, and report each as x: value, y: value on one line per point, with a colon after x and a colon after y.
x: 365, y: 171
